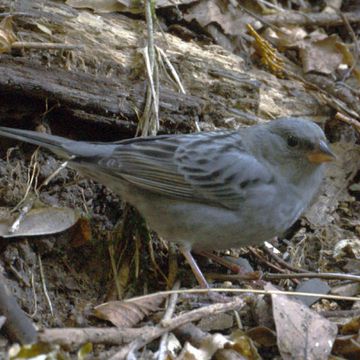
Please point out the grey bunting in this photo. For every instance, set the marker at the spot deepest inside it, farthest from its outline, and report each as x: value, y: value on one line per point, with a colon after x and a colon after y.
x: 207, y: 190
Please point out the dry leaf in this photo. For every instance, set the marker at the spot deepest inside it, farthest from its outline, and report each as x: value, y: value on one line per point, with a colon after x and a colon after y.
x: 351, y: 327
x: 322, y: 56
x: 348, y: 346
x: 301, y: 333
x: 128, y: 313
x: 288, y: 37
x: 262, y: 335
x: 232, y: 22
x: 243, y: 345
x: 207, y: 349
x: 41, y: 221
x: 81, y: 233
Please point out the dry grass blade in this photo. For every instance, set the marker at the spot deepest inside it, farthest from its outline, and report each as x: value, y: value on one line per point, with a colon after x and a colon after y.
x: 174, y: 75
x: 7, y: 35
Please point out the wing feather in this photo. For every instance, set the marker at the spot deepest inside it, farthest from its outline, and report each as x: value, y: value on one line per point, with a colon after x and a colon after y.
x: 211, y: 167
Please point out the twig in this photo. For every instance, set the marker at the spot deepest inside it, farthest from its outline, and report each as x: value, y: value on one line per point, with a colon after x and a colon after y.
x: 270, y: 5
x: 32, y: 174
x: 152, y: 98
x: 23, y: 211
x: 43, y: 283
x: 152, y: 255
x: 282, y: 262
x: 18, y: 275
x: 341, y: 313
x: 269, y: 276
x: 18, y: 326
x: 301, y: 19
x: 51, y: 176
x: 150, y: 122
x: 34, y: 295
x: 18, y: 13
x: 44, y: 46
x: 114, y: 269
x: 265, y: 261
x: 262, y: 19
x: 169, y: 325
x: 167, y: 316
x: 245, y: 291
x: 348, y: 120
x: 74, y: 337
x: 173, y: 72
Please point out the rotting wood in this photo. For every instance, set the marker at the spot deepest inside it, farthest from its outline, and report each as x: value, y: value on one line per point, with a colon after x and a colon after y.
x: 103, y: 82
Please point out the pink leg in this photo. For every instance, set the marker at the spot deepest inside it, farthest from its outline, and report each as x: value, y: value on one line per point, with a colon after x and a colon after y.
x: 194, y: 267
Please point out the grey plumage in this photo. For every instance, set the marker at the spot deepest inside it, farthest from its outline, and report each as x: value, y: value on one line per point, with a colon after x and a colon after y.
x: 207, y: 190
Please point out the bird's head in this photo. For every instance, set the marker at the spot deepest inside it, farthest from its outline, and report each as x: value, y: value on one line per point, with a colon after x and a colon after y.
x: 300, y: 139
x: 294, y: 146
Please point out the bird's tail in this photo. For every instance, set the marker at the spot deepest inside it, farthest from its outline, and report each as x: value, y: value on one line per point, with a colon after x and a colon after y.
x: 60, y: 146
x: 51, y: 142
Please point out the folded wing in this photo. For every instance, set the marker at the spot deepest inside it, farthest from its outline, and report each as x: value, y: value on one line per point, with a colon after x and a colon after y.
x: 211, y: 167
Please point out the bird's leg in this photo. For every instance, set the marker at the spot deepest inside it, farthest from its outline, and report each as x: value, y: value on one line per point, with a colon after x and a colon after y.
x: 194, y: 267
x: 228, y: 264
x: 235, y: 268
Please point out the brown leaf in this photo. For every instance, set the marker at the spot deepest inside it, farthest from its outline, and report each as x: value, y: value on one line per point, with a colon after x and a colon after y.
x: 262, y: 335
x: 301, y: 332
x: 244, y: 345
x: 348, y: 346
x: 351, y: 327
x: 322, y: 56
x: 130, y: 312
x: 82, y: 233
x: 232, y: 22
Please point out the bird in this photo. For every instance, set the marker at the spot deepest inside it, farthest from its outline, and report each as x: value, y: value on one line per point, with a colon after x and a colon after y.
x: 207, y: 190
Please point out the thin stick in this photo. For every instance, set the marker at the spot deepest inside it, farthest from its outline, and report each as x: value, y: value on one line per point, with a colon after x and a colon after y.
x: 43, y: 46
x: 268, y: 276
x: 51, y: 176
x: 245, y: 291
x: 348, y: 120
x: 167, y: 316
x: 176, y: 322
x: 43, y: 283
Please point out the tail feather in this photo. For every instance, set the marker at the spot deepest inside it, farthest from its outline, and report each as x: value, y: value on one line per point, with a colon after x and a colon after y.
x: 60, y: 146
x: 51, y: 142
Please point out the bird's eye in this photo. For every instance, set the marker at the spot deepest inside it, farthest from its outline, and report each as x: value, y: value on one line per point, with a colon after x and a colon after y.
x: 292, y: 141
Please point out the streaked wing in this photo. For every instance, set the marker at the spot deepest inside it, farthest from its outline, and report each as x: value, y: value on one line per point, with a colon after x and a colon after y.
x: 222, y: 170
x: 149, y: 163
x: 211, y: 167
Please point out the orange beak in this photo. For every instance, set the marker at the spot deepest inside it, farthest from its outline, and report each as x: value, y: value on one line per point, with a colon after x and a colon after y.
x: 321, y: 154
